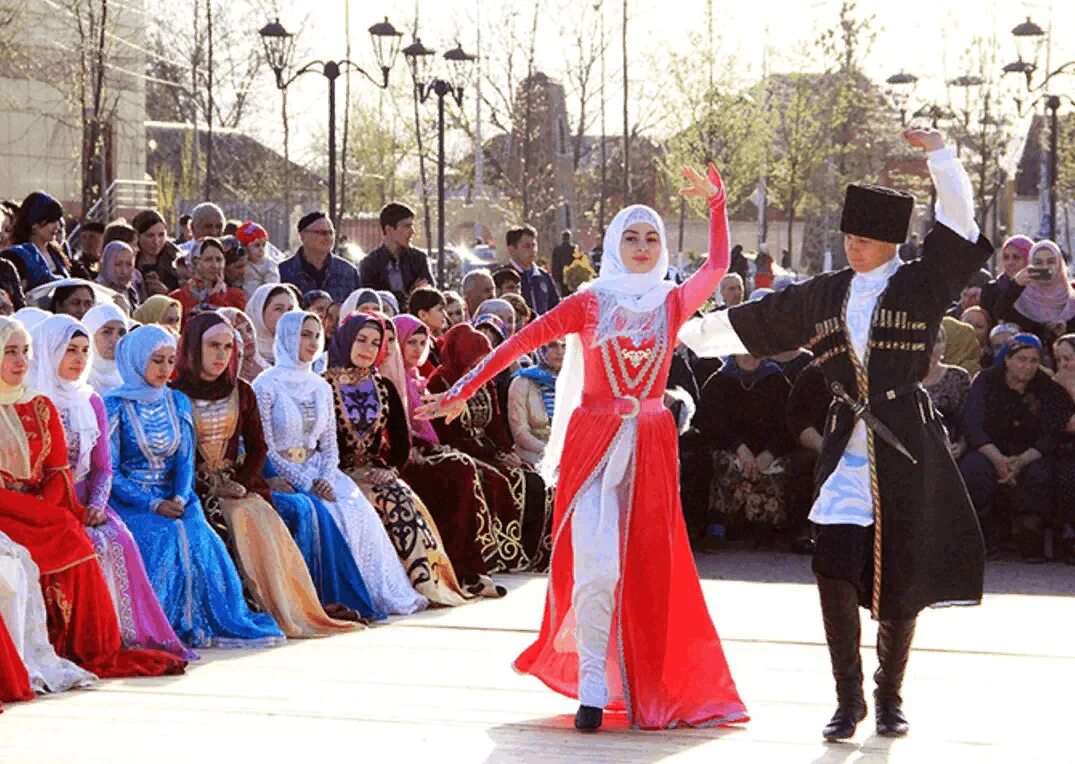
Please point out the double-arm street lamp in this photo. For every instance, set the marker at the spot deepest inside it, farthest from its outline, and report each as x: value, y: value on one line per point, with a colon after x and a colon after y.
x: 1029, y: 38
x: 279, y: 47
x: 420, y: 59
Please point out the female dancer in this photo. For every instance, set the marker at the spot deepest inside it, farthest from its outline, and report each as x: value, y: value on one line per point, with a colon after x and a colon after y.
x: 58, y: 371
x: 152, y: 434
x: 621, y: 562
x: 300, y: 432
x: 233, y: 492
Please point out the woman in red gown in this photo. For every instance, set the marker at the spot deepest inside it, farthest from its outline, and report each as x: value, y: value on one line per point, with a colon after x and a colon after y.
x: 625, y: 625
x: 39, y: 511
x: 14, y: 680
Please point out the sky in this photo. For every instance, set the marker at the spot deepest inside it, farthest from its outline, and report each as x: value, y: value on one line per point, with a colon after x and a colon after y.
x: 929, y: 40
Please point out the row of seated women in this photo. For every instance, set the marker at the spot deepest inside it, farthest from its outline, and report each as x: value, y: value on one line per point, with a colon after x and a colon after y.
x: 165, y: 504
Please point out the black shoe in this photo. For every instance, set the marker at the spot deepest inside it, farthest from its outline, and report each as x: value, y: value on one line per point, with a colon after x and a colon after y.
x: 890, y: 719
x: 844, y: 722
x: 588, y: 718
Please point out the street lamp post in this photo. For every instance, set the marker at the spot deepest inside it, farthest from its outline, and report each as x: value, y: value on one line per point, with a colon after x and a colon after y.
x: 1029, y: 38
x: 420, y: 59
x: 279, y: 45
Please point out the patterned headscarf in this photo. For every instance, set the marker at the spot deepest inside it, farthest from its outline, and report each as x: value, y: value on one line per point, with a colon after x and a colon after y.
x: 407, y: 326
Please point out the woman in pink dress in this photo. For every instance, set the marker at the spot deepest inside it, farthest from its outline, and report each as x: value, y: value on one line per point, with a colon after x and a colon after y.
x: 625, y: 625
x: 58, y: 371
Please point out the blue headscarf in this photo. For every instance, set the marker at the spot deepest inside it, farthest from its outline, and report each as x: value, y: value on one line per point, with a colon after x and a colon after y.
x: 132, y: 356
x: 544, y: 377
x: 1017, y: 342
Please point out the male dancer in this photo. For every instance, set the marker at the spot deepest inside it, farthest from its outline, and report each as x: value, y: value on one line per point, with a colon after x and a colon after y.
x: 898, y: 531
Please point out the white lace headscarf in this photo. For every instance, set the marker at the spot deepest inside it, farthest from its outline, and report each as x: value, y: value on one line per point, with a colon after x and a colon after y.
x: 635, y: 296
x: 71, y: 398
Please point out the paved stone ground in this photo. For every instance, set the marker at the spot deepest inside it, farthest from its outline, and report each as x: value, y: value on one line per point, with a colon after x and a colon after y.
x: 988, y: 684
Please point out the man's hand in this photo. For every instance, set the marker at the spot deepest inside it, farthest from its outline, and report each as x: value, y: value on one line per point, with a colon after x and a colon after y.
x: 925, y: 138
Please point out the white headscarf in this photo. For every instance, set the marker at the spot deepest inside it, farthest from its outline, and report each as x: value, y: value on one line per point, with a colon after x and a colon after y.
x: 291, y: 376
x: 637, y: 294
x: 255, y: 310
x: 30, y: 317
x: 71, y: 398
x: 104, y: 376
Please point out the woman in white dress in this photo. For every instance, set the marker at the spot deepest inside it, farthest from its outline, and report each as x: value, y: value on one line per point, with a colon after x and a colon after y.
x: 22, y: 609
x: 300, y: 431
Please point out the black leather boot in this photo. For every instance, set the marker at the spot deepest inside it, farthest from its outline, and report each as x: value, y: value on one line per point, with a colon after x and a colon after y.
x: 893, y: 649
x: 588, y: 718
x: 839, y: 611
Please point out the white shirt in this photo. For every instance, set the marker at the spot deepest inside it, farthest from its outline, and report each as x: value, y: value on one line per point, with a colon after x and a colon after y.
x: 845, y: 497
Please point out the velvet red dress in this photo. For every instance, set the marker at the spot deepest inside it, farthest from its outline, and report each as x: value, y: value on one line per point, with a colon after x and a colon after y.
x: 667, y: 667
x: 42, y: 514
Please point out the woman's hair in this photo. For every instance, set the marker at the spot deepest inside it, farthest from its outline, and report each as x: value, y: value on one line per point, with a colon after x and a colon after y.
x: 424, y: 298
x: 119, y: 230
x: 210, y: 242
x: 146, y: 219
x: 60, y: 295
x: 37, y: 207
x: 1067, y: 339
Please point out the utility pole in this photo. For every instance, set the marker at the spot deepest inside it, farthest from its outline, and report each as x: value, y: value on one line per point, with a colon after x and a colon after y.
x: 604, y: 137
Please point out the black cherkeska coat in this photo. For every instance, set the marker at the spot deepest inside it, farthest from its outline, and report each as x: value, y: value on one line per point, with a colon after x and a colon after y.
x: 930, y: 546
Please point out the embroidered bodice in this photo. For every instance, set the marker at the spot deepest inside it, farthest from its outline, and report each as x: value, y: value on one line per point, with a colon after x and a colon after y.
x: 152, y: 448
x: 299, y: 429
x: 93, y: 485
x: 215, y: 423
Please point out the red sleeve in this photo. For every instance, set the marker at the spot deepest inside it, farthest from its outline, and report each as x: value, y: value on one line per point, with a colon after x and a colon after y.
x: 56, y: 482
x: 566, y: 318
x: 704, y: 281
x: 249, y: 474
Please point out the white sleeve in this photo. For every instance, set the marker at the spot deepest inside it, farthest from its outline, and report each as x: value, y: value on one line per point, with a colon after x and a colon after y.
x: 712, y: 335
x: 955, y: 197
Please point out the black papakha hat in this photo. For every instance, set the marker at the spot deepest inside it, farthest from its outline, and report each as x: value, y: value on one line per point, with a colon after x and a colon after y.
x: 876, y: 212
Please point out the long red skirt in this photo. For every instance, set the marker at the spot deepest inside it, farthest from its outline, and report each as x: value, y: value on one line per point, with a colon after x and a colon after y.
x: 81, y: 617
x: 14, y: 681
x: 666, y: 665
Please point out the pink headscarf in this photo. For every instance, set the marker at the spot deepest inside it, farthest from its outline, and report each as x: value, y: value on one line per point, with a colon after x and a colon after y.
x: 1048, y: 301
x: 406, y: 327
x: 1020, y: 243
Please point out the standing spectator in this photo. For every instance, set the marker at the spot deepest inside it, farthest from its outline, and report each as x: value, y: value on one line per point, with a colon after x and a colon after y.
x: 910, y: 249
x: 523, y: 314
x: 507, y: 281
x: 455, y: 308
x: 739, y: 264
x: 154, y: 254
x: 207, y: 287
x: 563, y: 254
x: 578, y: 273
x: 478, y: 287
x: 260, y: 268
x: 1041, y: 300
x: 88, y: 258
x: 1013, y: 417
x: 763, y: 267
x: 396, y: 266
x: 33, y: 252
x: 731, y: 290
x: 1064, y: 354
x: 314, y: 266
x: 947, y: 385
x: 538, y: 288
x: 1013, y: 257
x: 206, y: 220
x: 183, y: 233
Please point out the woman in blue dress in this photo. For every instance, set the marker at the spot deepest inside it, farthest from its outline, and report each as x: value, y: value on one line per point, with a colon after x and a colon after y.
x: 152, y: 435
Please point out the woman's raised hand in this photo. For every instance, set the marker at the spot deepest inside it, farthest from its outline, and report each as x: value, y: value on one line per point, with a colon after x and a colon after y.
x: 709, y: 186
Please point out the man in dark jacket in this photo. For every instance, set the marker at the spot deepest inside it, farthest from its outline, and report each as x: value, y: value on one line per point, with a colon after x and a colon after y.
x: 314, y: 266
x: 396, y: 266
x: 563, y: 254
x: 539, y: 290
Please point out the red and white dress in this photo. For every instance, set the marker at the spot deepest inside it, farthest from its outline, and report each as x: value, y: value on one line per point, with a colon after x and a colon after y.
x: 625, y: 626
